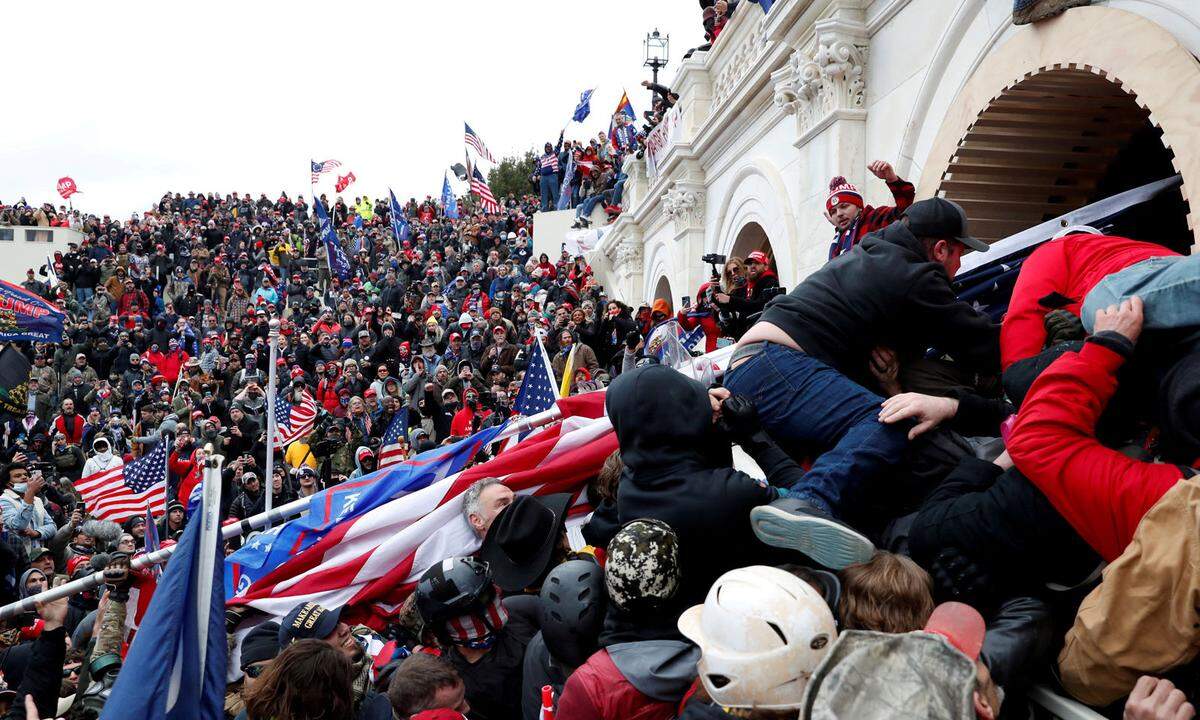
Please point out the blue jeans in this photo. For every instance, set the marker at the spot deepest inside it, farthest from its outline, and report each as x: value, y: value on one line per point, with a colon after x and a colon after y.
x: 587, y: 206
x: 84, y: 295
x: 548, y: 184
x: 1168, y: 286
x: 801, y: 399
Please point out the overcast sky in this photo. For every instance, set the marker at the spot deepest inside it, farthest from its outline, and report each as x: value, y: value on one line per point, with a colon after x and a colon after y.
x: 132, y: 99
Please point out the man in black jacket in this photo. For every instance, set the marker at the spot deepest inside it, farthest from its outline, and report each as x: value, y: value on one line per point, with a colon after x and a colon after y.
x: 796, y: 364
x: 679, y: 469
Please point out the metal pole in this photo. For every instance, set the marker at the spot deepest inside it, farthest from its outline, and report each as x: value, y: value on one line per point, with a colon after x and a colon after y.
x: 273, y: 341
x: 231, y: 530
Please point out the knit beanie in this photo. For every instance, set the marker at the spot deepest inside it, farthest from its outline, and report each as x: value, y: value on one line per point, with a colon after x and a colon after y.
x: 840, y: 191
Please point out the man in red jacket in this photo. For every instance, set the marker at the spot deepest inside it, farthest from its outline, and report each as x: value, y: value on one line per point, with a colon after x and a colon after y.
x: 1059, y: 275
x: 1142, y: 517
x: 845, y: 210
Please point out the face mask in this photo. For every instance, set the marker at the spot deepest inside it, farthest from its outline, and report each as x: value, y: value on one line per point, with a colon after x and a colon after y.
x: 106, y: 455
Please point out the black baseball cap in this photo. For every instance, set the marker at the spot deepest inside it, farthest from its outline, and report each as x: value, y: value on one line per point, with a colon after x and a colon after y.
x: 941, y: 218
x: 308, y: 621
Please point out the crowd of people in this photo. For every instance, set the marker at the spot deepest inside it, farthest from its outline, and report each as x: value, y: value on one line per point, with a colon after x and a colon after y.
x: 950, y: 509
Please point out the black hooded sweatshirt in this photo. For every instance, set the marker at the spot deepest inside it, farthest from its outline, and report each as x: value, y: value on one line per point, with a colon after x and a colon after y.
x: 679, y: 469
x: 884, y: 288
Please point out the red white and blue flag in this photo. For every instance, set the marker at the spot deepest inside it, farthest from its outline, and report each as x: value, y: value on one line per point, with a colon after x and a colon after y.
x: 372, y: 562
x: 342, y: 503
x: 395, y: 437
x: 480, y: 187
x: 293, y: 420
x: 320, y: 168
x: 473, y: 141
x: 120, y: 492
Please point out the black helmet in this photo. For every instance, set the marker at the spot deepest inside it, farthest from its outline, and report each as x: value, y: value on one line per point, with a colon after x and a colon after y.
x: 572, y: 611
x: 453, y: 587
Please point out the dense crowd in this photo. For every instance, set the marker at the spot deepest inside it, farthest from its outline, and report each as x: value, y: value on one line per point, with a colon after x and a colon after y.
x: 952, y: 509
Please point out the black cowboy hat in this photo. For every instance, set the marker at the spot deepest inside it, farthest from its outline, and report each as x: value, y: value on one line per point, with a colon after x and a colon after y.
x: 519, y: 545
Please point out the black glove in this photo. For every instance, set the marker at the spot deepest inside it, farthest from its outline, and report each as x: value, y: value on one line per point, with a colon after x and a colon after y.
x: 739, y: 417
x: 1062, y: 326
x: 117, y: 577
x: 957, y: 577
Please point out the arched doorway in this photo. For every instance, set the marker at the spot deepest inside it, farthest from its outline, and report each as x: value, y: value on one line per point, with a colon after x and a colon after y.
x: 1055, y: 141
x: 750, y: 238
x: 662, y: 291
x: 1050, y: 78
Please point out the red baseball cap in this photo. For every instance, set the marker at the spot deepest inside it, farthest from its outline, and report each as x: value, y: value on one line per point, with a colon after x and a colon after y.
x: 758, y: 256
x: 961, y: 625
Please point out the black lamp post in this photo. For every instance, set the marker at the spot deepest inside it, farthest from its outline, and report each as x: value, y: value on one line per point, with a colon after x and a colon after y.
x: 657, y: 48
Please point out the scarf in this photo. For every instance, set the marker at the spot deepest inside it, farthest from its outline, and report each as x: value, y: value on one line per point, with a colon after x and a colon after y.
x: 478, y: 630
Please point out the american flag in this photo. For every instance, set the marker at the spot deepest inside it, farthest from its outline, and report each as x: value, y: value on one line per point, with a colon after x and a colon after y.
x: 537, y: 392
x: 474, y: 141
x: 480, y: 187
x: 293, y: 421
x: 391, y: 451
x: 370, y: 563
x: 123, y: 491
x: 322, y: 167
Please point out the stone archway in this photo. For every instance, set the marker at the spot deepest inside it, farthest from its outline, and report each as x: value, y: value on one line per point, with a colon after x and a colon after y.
x: 662, y: 291
x: 1059, y: 116
x: 751, y: 237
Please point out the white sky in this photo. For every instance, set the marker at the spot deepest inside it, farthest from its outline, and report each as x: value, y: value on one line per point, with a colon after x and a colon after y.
x: 132, y: 99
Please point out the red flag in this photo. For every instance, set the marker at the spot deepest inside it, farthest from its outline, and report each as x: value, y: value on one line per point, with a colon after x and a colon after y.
x: 66, y: 187
x: 344, y: 181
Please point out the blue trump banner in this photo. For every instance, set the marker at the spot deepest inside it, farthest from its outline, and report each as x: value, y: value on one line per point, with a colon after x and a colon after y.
x: 25, y: 316
x: 339, y: 264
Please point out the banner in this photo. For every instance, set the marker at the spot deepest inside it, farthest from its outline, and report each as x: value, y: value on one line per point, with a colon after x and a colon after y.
x: 25, y: 316
x: 660, y: 139
x: 339, y: 264
x: 66, y: 187
x: 14, y: 380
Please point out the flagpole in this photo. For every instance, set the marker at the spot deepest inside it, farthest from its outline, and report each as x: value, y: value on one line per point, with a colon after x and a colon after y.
x: 210, y: 515
x: 232, y: 530
x: 269, y: 480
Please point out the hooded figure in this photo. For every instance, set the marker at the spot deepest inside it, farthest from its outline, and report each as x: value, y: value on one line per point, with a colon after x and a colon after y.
x: 364, y: 462
x: 679, y: 469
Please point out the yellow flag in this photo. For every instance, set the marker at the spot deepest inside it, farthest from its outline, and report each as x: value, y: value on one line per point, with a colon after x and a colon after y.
x: 568, y: 372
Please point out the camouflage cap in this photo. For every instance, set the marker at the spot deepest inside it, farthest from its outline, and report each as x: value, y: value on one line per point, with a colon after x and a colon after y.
x: 643, y: 564
x: 881, y: 676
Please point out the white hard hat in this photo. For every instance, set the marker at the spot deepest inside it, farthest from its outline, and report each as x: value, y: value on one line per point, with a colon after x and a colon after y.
x: 762, y: 632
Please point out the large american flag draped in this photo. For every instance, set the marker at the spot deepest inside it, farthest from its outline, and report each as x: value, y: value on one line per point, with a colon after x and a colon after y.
x: 537, y: 392
x: 480, y: 187
x: 371, y: 563
x: 293, y: 420
x: 473, y: 141
x: 391, y: 451
x: 123, y: 491
x: 318, y: 168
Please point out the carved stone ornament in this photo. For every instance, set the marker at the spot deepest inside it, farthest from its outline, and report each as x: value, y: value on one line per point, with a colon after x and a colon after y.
x: 832, y: 78
x: 627, y: 256
x: 684, y: 205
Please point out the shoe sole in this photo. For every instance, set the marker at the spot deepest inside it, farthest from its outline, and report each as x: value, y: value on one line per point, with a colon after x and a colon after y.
x: 826, y: 542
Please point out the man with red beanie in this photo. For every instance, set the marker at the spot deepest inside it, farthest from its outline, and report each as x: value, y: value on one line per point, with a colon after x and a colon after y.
x: 844, y: 207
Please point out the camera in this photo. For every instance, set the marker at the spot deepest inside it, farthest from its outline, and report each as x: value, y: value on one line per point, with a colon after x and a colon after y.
x: 713, y: 259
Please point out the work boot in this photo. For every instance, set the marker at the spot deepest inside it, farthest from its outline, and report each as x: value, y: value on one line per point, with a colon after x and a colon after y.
x: 799, y: 525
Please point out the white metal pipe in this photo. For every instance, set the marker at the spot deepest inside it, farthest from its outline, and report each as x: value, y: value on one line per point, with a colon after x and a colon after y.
x: 269, y: 480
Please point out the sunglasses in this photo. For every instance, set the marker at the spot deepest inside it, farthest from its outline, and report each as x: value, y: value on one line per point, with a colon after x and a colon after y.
x: 253, y: 671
